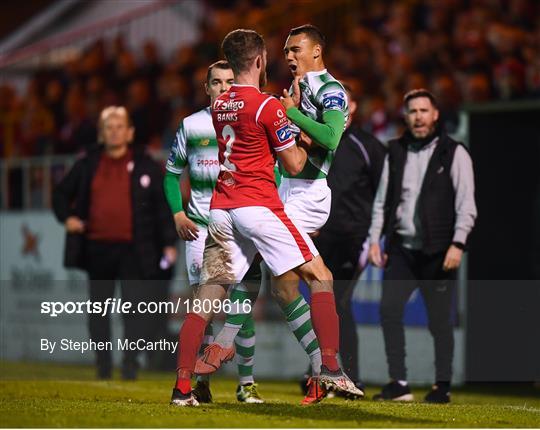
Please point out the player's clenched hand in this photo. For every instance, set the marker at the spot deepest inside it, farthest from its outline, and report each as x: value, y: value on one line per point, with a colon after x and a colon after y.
x: 286, y: 100
x: 291, y: 100
x: 304, y: 140
x: 74, y: 225
x: 376, y: 257
x: 296, y: 91
x: 186, y: 228
x: 452, y: 259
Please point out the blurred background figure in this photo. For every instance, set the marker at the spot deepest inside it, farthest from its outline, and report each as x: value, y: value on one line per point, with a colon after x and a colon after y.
x: 353, y: 179
x: 118, y: 227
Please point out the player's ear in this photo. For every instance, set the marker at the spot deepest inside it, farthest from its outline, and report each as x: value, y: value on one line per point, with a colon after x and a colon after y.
x: 258, y: 62
x: 317, y: 51
x: 206, y: 88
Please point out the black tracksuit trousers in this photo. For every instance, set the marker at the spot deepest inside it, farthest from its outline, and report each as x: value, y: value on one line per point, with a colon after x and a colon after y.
x: 407, y: 270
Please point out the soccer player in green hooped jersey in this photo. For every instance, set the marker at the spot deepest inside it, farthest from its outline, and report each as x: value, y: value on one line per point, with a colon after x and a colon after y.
x: 195, y: 147
x: 317, y: 105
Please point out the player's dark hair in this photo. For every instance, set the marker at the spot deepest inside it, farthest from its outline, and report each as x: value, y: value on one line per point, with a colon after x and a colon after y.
x: 240, y: 48
x: 221, y: 64
x: 312, y: 32
x: 419, y: 92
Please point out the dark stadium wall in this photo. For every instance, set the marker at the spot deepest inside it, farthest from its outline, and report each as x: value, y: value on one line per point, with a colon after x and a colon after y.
x: 503, y: 318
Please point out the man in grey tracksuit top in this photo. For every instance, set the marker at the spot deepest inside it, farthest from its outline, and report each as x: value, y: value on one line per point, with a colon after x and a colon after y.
x: 425, y: 208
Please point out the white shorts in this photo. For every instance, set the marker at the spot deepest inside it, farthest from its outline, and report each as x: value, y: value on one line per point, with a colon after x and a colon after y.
x: 194, y: 255
x: 235, y: 236
x: 307, y: 202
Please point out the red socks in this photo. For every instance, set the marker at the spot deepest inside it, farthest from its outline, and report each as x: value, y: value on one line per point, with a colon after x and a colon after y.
x: 184, y: 385
x: 190, y: 340
x: 326, y: 325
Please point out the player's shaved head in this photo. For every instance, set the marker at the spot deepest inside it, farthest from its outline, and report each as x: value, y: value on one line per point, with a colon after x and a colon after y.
x: 241, y: 47
x: 312, y: 32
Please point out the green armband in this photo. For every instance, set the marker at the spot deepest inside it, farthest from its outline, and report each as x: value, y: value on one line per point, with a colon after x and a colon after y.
x: 326, y: 134
x: 171, y: 185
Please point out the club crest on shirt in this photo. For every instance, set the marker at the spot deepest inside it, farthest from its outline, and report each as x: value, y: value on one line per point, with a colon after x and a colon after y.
x: 204, y: 142
x: 227, y: 178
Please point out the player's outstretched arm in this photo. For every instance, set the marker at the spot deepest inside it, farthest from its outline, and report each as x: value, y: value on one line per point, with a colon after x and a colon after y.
x: 326, y: 134
x: 293, y: 159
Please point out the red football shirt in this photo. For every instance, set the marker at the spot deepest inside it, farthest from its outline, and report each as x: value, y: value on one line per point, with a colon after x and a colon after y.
x: 250, y: 127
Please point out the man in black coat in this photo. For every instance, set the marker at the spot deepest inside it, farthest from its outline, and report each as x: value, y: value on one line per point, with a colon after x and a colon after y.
x: 425, y: 208
x: 119, y: 227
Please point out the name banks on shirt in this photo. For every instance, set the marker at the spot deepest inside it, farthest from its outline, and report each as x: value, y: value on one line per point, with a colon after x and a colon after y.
x: 250, y: 128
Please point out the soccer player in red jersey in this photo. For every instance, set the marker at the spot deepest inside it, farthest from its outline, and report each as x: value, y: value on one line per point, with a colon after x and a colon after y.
x: 247, y: 215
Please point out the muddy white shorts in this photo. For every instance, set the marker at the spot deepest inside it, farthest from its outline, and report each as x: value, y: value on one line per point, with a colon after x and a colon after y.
x: 235, y: 236
x: 194, y: 255
x: 307, y: 202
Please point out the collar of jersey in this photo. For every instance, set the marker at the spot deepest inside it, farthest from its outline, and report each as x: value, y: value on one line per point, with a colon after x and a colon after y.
x: 320, y: 72
x: 245, y: 86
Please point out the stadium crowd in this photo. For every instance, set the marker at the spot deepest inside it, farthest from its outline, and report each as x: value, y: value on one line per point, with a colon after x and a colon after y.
x: 466, y: 51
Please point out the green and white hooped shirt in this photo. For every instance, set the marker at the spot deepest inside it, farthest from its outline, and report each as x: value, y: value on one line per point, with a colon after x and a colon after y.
x: 321, y: 93
x: 195, y: 145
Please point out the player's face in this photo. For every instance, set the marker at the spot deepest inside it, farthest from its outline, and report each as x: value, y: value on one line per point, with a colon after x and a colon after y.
x: 220, y: 81
x: 421, y: 116
x: 300, y: 54
x: 116, y: 131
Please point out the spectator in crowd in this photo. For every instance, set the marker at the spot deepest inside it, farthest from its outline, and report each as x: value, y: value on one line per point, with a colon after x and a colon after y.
x: 118, y: 227
x: 353, y: 179
x: 426, y: 209
x: 483, y: 51
x: 78, y: 133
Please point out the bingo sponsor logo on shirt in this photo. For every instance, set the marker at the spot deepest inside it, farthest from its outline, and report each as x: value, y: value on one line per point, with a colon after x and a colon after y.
x: 229, y: 109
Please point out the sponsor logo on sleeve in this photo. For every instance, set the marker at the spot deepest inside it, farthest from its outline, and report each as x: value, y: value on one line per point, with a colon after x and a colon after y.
x: 334, y: 100
x: 284, y: 133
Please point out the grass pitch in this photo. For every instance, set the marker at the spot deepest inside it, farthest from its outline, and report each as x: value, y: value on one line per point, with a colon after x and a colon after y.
x: 48, y: 395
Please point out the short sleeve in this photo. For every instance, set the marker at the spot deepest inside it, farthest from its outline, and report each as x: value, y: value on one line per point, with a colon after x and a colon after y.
x: 272, y: 117
x: 332, y: 96
x: 178, y: 156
